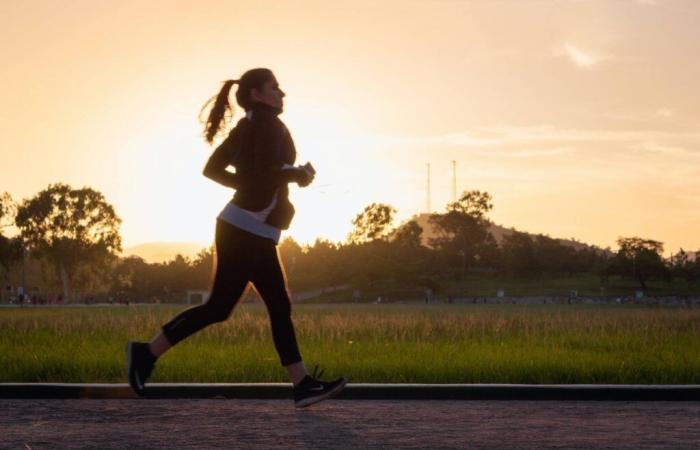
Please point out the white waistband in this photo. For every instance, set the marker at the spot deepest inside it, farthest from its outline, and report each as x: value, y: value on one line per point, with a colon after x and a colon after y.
x: 249, y: 221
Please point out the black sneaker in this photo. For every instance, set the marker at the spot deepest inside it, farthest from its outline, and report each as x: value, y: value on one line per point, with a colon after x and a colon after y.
x: 139, y: 365
x: 312, y: 390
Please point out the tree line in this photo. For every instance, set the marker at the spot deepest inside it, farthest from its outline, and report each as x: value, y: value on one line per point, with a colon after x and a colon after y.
x: 73, y: 235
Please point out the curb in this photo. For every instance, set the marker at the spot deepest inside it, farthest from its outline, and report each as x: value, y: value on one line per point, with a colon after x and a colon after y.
x: 360, y: 391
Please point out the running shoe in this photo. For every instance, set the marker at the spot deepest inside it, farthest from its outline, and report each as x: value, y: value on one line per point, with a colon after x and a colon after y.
x: 139, y: 365
x: 312, y: 390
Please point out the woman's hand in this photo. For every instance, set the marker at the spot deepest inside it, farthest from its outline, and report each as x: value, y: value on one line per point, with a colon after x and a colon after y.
x: 306, y: 176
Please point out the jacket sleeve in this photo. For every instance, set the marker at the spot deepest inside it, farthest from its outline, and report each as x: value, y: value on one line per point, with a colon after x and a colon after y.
x: 270, y: 144
x: 222, y: 157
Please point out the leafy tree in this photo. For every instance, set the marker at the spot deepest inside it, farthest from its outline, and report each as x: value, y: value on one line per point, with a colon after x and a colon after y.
x: 552, y: 256
x: 632, y: 245
x: 70, y: 228
x: 8, y: 211
x: 10, y: 247
x: 409, y: 259
x: 520, y: 254
x: 372, y: 223
x: 462, y: 232
x: 682, y: 266
x: 408, y: 235
x: 322, y: 264
x: 10, y: 254
x: 291, y: 254
x: 203, y: 267
x: 474, y: 204
x: 640, y: 259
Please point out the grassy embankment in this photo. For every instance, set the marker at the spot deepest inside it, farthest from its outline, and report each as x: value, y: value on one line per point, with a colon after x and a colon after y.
x: 486, y: 285
x: 368, y: 343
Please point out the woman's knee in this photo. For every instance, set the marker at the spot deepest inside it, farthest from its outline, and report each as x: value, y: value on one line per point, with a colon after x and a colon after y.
x: 281, y: 309
x: 214, y: 313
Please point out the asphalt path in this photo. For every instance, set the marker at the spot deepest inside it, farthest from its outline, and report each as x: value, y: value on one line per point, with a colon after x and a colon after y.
x: 232, y: 423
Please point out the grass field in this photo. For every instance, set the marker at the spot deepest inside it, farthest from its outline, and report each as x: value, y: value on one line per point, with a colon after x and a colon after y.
x: 477, y: 284
x: 368, y: 343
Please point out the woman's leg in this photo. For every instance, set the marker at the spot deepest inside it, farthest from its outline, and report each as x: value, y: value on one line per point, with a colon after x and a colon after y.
x: 296, y: 372
x: 270, y: 281
x: 232, y: 273
x: 159, y: 344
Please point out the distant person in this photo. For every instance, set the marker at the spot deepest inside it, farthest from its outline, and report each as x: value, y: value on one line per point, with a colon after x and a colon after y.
x: 248, y: 229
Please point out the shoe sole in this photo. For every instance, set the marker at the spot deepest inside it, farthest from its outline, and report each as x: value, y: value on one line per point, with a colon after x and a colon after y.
x: 311, y: 400
x: 129, y: 363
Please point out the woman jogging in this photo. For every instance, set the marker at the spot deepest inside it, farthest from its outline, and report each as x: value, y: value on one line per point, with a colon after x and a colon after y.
x: 261, y: 150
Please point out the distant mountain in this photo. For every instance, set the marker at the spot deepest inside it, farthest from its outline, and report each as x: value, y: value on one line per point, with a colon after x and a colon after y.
x: 156, y: 252
x: 499, y: 232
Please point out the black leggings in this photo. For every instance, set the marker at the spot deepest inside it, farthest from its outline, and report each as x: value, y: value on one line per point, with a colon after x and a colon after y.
x: 242, y: 257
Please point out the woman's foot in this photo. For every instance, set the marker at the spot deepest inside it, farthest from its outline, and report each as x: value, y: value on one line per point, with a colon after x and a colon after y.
x: 139, y: 365
x: 312, y: 390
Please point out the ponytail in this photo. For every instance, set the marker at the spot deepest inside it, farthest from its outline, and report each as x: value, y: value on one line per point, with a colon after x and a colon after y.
x: 220, y: 112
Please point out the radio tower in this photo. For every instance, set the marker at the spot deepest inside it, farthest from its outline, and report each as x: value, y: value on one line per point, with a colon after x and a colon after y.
x: 454, y: 181
x: 428, y: 190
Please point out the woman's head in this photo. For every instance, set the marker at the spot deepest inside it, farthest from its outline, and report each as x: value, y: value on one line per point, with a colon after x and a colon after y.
x: 255, y: 86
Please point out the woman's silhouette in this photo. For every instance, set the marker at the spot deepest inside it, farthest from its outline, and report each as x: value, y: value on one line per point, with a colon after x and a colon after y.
x: 261, y: 150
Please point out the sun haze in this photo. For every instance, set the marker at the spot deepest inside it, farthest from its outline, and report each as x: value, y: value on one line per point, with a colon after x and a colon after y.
x: 582, y: 119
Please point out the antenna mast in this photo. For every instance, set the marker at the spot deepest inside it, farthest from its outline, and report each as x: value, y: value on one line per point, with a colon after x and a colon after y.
x: 454, y: 181
x: 428, y: 189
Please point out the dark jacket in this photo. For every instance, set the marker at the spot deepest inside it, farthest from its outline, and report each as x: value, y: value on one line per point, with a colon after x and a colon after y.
x: 258, y: 148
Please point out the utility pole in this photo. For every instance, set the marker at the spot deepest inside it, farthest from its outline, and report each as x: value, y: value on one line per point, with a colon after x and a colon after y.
x: 428, y: 190
x: 454, y: 181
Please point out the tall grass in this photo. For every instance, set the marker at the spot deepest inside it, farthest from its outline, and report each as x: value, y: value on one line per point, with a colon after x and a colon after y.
x: 368, y: 343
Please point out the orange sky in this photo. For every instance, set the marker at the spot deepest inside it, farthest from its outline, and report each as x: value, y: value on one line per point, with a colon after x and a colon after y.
x: 581, y: 118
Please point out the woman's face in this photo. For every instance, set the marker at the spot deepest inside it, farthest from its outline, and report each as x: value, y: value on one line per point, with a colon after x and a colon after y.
x: 270, y: 94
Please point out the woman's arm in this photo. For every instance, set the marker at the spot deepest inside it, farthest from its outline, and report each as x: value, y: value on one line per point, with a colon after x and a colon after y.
x: 271, y: 145
x: 215, y: 169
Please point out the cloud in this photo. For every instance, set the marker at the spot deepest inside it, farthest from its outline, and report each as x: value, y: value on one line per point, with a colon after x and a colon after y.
x: 527, y: 153
x: 664, y: 149
x: 543, y: 140
x: 580, y: 57
x: 649, y: 115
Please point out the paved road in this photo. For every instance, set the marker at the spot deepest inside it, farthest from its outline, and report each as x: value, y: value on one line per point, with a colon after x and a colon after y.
x: 206, y: 424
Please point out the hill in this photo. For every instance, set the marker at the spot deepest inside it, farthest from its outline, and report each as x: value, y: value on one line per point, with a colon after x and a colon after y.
x: 499, y: 233
x: 157, y: 252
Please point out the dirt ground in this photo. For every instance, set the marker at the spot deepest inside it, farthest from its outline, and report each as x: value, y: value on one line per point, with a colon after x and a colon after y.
x: 207, y: 424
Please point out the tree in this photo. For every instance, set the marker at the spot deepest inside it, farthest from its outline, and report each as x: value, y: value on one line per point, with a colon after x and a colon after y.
x: 408, y: 258
x: 552, y: 256
x: 638, y: 258
x: 203, y: 267
x: 474, y: 204
x: 290, y: 253
x: 10, y: 254
x: 632, y: 245
x: 520, y: 254
x: 682, y: 266
x: 372, y: 223
x: 8, y: 211
x: 10, y: 247
x: 70, y: 227
x: 462, y: 232
x: 408, y: 235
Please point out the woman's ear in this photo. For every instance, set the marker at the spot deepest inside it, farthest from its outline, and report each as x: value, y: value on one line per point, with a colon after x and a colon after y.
x: 255, y: 94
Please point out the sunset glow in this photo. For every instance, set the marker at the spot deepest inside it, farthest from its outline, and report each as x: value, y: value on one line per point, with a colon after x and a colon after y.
x: 581, y: 118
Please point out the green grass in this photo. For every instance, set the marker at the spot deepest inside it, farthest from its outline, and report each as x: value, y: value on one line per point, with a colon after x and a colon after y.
x: 478, y: 284
x: 484, y: 284
x: 368, y: 343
